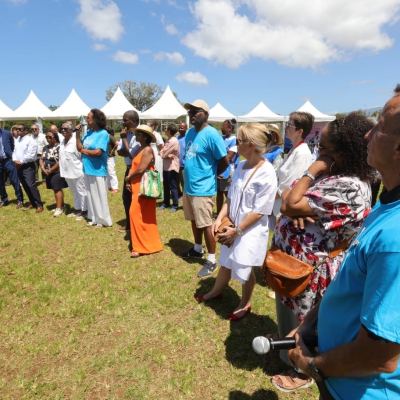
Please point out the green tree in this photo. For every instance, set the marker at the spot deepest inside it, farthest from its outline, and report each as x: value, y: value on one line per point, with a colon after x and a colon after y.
x: 53, y: 108
x: 340, y: 115
x: 142, y: 95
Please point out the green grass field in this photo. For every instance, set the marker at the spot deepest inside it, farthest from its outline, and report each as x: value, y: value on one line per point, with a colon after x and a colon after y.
x: 79, y: 319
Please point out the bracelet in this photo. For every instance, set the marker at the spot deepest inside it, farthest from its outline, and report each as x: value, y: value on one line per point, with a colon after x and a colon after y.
x: 308, y: 175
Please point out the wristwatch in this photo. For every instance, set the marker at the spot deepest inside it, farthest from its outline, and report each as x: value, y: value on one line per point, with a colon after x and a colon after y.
x: 315, y: 373
x: 239, y: 231
x: 308, y: 175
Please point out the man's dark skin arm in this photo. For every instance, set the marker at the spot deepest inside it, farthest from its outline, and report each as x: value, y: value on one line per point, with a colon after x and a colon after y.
x: 223, y: 164
x: 365, y: 356
x: 124, y: 152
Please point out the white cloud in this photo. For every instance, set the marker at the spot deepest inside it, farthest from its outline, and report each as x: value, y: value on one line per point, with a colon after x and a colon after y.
x: 173, y: 3
x: 146, y: 51
x: 99, y: 47
x: 193, y: 78
x: 361, y: 82
x: 171, y: 29
x: 17, y: 2
x: 174, y: 58
x: 305, y: 99
x: 125, y: 57
x: 21, y: 22
x: 101, y: 19
x: 293, y: 33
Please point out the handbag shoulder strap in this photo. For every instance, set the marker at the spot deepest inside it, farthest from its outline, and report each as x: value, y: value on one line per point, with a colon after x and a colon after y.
x: 340, y: 247
x: 248, y: 180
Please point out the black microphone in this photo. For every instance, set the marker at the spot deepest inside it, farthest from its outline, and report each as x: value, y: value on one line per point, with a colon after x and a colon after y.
x: 262, y: 345
x: 76, y: 130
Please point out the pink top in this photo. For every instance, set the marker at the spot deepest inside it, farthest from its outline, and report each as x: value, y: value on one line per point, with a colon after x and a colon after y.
x: 171, y: 148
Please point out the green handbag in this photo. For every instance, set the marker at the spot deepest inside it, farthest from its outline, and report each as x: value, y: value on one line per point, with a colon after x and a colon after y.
x: 150, y: 185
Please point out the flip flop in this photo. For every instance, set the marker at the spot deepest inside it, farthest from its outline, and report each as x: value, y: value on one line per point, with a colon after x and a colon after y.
x: 291, y: 380
x: 134, y: 254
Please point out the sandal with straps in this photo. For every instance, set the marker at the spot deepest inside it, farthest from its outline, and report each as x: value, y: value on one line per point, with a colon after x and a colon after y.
x: 292, y: 380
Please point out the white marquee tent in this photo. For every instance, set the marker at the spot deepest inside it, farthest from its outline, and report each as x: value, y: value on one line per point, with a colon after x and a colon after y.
x: 219, y: 114
x: 72, y: 108
x: 31, y: 109
x: 318, y: 115
x: 261, y: 113
x: 117, y: 106
x: 5, y: 111
x: 167, y: 107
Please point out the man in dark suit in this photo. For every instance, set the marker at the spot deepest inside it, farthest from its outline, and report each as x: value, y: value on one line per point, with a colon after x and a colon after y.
x: 7, y: 164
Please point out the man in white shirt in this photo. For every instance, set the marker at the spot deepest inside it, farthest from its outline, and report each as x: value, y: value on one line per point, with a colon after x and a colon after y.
x: 24, y: 157
x: 41, y: 142
x: 127, y: 148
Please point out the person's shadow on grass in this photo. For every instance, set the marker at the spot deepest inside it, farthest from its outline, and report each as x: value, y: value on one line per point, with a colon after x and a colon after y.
x: 239, y: 351
x: 261, y: 394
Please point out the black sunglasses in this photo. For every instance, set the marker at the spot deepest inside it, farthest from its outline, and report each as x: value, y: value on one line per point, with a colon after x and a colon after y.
x: 64, y: 129
x: 50, y: 137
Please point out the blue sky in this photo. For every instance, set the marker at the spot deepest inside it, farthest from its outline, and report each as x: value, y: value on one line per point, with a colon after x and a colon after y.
x: 340, y: 55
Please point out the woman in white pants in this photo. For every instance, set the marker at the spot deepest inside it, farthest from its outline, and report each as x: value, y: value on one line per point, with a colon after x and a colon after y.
x: 112, y: 179
x: 70, y: 165
x: 94, y: 149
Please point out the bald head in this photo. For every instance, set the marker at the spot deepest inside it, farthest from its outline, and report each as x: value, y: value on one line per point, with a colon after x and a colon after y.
x: 54, y: 128
x: 182, y: 128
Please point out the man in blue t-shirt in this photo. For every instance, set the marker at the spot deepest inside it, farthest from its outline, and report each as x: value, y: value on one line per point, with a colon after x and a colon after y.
x: 182, y: 153
x: 358, y: 319
x: 205, y: 158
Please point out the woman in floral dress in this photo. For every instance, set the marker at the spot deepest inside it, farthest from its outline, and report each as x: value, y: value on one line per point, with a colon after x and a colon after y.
x: 322, y: 209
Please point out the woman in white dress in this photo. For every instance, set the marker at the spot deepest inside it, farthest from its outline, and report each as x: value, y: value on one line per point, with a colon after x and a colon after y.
x: 250, y: 200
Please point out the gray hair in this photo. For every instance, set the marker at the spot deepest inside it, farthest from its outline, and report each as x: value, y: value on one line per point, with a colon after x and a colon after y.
x: 69, y: 126
x: 132, y: 115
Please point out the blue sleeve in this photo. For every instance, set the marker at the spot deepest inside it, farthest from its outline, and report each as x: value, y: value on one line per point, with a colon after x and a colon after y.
x: 217, y: 146
x: 102, y: 142
x: 380, y: 311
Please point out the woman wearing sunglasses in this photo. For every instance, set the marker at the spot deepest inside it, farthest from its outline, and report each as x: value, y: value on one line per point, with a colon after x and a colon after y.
x: 49, y: 164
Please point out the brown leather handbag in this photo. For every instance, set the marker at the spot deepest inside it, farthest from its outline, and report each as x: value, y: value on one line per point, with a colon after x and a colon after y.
x: 289, y: 276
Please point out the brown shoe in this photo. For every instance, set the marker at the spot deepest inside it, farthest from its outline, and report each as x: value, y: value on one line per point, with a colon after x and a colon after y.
x: 4, y: 203
x: 19, y: 205
x: 28, y: 208
x: 123, y: 230
x: 39, y: 209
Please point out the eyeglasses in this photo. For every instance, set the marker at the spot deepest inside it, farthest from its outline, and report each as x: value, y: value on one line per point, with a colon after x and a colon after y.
x: 287, y: 125
x: 195, y: 111
x: 49, y: 137
x: 240, y: 141
x: 324, y: 148
x: 35, y: 129
x: 19, y: 129
x: 64, y: 129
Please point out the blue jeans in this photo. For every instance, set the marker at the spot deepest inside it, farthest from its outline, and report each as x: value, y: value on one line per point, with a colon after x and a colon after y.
x: 170, y: 188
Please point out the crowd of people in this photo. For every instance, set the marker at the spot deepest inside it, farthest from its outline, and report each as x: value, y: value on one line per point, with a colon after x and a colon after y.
x: 319, y: 208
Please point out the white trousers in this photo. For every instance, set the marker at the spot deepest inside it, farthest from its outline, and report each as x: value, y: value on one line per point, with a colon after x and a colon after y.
x: 112, y: 180
x: 98, y: 210
x: 79, y: 193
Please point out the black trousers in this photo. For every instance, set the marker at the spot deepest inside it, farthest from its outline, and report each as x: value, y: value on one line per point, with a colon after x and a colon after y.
x: 26, y: 174
x: 127, y: 199
x: 170, y: 188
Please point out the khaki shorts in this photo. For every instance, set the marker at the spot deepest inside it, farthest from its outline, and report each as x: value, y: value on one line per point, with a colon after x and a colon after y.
x: 198, y: 209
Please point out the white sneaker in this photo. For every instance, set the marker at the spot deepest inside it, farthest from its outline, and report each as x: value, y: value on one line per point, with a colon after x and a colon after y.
x: 73, y: 214
x: 58, y: 212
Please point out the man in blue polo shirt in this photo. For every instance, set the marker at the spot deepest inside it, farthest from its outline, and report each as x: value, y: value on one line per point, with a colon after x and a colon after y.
x: 358, y: 319
x: 205, y: 157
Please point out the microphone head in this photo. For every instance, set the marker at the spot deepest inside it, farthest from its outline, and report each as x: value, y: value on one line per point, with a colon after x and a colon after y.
x: 261, y: 345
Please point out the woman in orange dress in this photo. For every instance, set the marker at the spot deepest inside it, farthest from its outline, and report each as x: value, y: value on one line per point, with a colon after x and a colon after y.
x: 144, y: 232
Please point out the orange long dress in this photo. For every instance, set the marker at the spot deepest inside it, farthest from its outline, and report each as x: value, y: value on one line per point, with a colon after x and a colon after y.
x: 142, y: 214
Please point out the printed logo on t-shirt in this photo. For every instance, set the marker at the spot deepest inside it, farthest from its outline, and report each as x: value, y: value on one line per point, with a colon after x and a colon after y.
x: 87, y: 143
x: 191, y: 150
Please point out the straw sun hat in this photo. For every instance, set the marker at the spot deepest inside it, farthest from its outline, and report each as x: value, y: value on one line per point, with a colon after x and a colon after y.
x: 145, y: 129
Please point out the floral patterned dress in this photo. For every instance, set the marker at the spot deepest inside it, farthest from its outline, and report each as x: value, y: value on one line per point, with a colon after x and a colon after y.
x: 341, y: 204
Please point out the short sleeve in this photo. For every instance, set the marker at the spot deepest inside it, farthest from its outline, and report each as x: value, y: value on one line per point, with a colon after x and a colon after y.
x: 339, y: 201
x: 102, y: 142
x: 159, y: 139
x: 120, y: 145
x: 380, y: 312
x: 217, y: 146
x: 265, y: 188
